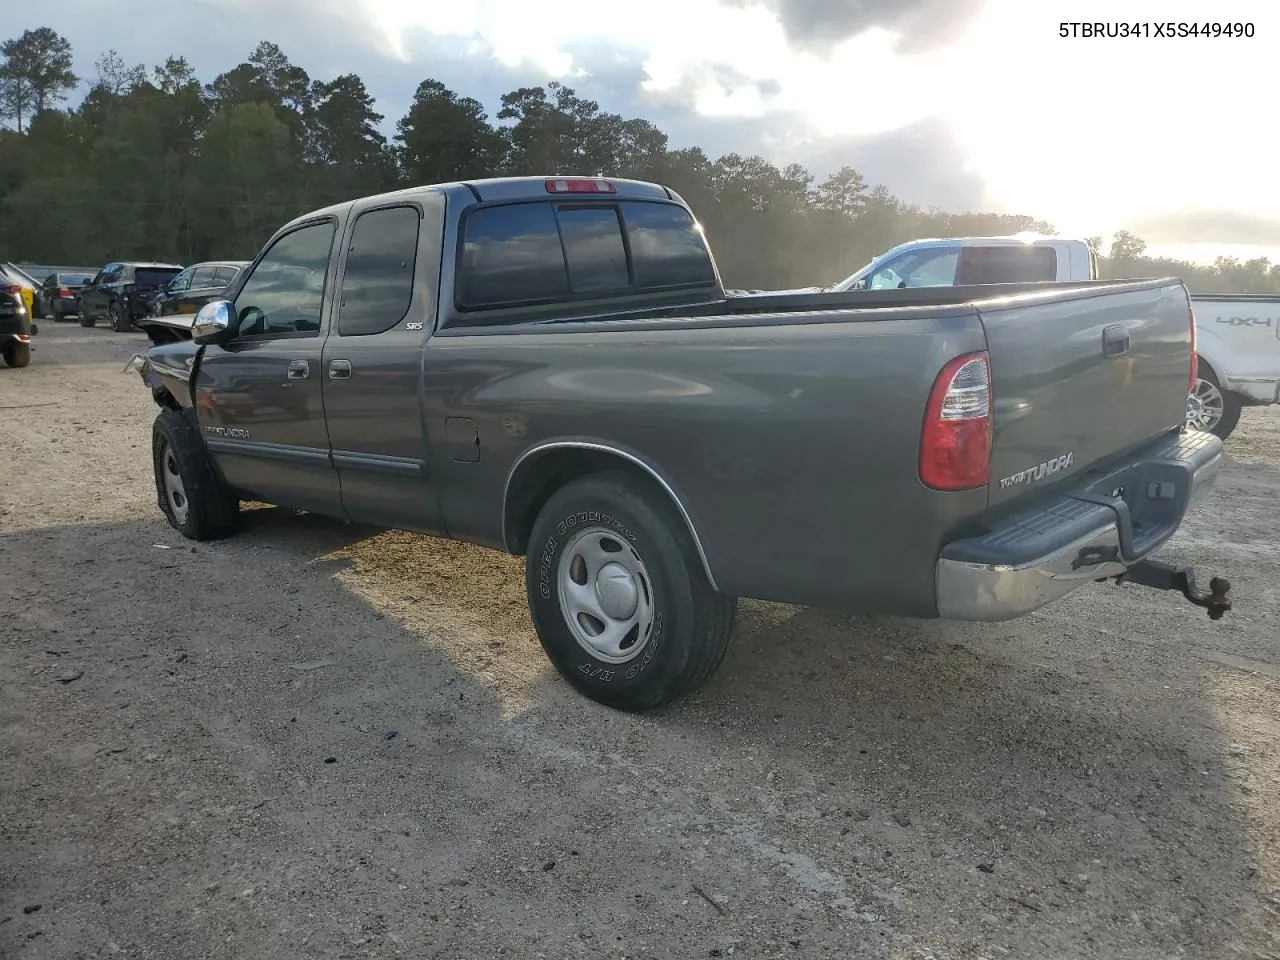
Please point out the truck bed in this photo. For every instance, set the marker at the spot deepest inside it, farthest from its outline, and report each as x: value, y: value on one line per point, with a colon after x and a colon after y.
x: 790, y: 428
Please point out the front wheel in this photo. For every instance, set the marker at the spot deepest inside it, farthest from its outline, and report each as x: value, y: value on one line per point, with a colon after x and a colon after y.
x: 619, y: 597
x: 120, y: 321
x: 1210, y: 408
x: 192, y: 498
x: 16, y: 353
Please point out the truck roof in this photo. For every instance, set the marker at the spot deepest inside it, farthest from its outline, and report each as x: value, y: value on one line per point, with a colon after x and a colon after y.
x: 1027, y: 238
x: 508, y: 188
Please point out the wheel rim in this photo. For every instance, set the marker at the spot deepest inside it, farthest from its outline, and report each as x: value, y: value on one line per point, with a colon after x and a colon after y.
x: 606, y: 595
x: 1204, y: 406
x: 174, y: 491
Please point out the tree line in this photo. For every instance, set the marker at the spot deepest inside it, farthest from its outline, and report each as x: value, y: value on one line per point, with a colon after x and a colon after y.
x: 155, y: 164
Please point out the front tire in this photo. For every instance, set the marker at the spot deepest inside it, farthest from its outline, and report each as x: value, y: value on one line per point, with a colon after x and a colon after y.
x: 16, y: 353
x: 619, y: 597
x: 1210, y: 408
x: 120, y: 321
x: 193, y: 500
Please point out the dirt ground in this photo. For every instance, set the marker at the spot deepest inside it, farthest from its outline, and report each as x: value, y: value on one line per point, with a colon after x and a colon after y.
x: 313, y: 740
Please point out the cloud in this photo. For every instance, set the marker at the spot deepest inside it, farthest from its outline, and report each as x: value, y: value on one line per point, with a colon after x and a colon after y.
x: 818, y: 26
x: 1209, y: 226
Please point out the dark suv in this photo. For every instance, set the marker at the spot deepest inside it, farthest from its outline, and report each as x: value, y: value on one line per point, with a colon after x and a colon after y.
x: 121, y: 292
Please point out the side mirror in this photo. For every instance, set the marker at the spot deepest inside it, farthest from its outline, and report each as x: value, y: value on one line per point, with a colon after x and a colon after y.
x: 213, y: 322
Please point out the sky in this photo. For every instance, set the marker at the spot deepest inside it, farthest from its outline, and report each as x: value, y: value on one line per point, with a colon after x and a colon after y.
x: 966, y: 105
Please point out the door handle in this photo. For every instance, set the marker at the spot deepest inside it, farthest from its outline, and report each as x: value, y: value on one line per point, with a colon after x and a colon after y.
x: 339, y: 369
x: 299, y: 369
x: 1115, y: 341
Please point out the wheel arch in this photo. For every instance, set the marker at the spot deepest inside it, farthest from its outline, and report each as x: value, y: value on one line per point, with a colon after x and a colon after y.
x: 546, y: 467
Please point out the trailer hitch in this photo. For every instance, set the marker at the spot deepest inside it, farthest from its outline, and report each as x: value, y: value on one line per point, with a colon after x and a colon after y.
x: 1165, y: 576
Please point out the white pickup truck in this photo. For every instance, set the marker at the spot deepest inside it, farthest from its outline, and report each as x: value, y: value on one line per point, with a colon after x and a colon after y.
x: 1237, y: 337
x: 1238, y: 346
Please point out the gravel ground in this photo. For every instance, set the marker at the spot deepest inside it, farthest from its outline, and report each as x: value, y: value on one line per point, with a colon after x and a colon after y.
x: 314, y: 740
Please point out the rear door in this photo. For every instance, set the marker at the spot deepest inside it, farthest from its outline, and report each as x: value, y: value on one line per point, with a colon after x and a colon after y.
x: 373, y: 364
x: 260, y: 398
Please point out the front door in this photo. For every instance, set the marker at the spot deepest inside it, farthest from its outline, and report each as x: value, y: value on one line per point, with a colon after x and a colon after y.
x: 260, y: 397
x: 373, y: 366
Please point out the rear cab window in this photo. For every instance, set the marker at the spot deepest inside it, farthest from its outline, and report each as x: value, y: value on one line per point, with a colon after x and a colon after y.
x: 543, y: 252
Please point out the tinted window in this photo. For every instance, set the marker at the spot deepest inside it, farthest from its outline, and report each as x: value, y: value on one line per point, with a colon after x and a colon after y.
x: 285, y: 291
x: 72, y: 279
x: 112, y: 273
x: 155, y: 276
x: 203, y: 277
x: 593, y: 248
x: 511, y: 254
x: 1008, y: 264
x: 223, y: 276
x: 377, y: 283
x: 667, y: 249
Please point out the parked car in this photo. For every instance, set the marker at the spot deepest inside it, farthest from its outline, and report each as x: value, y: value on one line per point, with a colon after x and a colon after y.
x: 12, y: 276
x: 16, y: 326
x: 120, y: 292
x: 57, y: 297
x: 195, y: 286
x: 550, y: 367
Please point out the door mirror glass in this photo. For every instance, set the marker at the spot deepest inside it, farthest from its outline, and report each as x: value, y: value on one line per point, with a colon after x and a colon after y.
x: 213, y: 322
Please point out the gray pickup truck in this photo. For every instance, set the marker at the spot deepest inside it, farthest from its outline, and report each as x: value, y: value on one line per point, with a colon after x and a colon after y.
x: 550, y: 367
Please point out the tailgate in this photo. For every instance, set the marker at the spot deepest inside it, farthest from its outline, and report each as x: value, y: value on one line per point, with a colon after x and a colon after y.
x: 1081, y: 376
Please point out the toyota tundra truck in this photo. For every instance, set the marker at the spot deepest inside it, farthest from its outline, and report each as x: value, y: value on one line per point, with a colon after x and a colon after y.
x: 549, y: 366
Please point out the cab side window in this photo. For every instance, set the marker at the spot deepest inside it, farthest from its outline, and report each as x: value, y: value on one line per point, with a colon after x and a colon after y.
x: 918, y: 268
x: 285, y: 292
x: 377, y: 283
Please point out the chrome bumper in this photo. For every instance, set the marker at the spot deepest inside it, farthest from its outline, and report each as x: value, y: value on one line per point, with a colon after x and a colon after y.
x: 1077, y: 536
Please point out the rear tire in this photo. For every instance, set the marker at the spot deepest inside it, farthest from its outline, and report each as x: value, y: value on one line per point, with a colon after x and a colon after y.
x: 1210, y: 408
x: 619, y: 597
x: 86, y: 320
x: 193, y: 500
x: 120, y: 321
x: 16, y: 353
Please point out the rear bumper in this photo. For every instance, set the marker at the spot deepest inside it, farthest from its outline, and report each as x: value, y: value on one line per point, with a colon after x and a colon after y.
x: 1045, y: 551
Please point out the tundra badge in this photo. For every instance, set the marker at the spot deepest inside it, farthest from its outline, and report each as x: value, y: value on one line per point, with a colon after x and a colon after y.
x: 1040, y: 470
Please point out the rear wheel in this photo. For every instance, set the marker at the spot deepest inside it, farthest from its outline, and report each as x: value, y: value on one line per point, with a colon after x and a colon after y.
x: 190, y: 495
x: 16, y: 353
x: 86, y: 318
x: 619, y: 597
x: 1210, y: 408
x: 120, y: 321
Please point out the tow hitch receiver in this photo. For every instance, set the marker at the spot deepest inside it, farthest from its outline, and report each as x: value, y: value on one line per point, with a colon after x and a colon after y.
x: 1165, y: 576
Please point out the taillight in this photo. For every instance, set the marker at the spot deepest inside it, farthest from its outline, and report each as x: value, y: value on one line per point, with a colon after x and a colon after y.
x: 955, y: 445
x: 64, y: 292
x: 10, y: 288
x: 580, y: 185
x: 1195, y: 359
